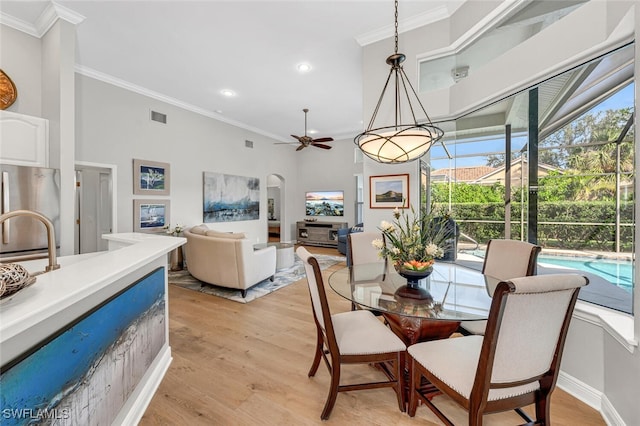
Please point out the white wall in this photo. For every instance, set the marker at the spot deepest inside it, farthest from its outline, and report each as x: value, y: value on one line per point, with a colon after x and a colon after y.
x: 114, y: 127
x: 21, y: 60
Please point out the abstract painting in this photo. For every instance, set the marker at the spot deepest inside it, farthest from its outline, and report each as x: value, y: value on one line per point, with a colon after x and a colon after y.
x: 230, y: 198
x: 86, y: 371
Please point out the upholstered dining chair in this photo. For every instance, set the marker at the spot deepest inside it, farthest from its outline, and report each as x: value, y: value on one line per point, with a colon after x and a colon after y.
x: 352, y: 337
x: 504, y: 259
x: 360, y: 250
x: 516, y: 362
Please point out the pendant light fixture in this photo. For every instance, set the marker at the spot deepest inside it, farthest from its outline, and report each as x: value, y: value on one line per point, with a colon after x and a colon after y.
x: 398, y: 143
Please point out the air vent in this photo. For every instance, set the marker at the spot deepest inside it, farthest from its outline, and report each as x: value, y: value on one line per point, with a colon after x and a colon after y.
x: 159, y: 117
x: 248, y: 144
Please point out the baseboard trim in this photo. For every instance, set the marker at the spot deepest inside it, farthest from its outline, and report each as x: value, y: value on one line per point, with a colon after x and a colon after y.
x: 609, y: 413
x: 590, y: 396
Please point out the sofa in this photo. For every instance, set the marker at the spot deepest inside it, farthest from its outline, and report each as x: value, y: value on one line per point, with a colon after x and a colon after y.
x: 227, y: 259
x: 342, y: 236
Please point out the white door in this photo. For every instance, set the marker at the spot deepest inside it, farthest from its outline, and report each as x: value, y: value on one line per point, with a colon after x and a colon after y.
x: 94, y: 201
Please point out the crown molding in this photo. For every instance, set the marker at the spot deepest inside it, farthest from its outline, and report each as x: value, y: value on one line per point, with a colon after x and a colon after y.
x: 417, y: 21
x: 106, y: 78
x: 485, y: 24
x: 18, y: 24
x: 52, y: 13
x: 45, y: 21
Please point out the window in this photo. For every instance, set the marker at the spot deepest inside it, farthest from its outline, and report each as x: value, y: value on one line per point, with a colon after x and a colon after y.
x: 565, y: 182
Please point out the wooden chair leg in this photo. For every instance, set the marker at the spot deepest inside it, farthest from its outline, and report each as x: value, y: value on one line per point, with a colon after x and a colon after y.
x: 400, y: 385
x: 317, y: 357
x: 475, y: 415
x: 543, y: 405
x: 413, y: 397
x: 333, y: 392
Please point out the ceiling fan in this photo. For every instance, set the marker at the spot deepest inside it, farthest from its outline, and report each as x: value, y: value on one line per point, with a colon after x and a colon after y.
x: 306, y: 141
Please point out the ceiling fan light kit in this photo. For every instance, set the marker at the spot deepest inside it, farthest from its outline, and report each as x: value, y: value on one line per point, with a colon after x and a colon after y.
x: 398, y: 143
x: 306, y: 141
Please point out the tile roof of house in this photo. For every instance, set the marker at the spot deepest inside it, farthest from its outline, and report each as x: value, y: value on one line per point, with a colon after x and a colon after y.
x: 464, y: 174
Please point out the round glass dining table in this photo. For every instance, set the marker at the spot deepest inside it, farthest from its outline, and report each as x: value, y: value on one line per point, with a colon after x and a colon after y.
x: 431, y: 310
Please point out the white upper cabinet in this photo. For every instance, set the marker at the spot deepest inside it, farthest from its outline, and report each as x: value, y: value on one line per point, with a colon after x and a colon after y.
x: 24, y: 140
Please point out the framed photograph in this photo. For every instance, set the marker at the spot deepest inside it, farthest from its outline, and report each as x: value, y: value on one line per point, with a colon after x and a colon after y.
x: 150, y: 177
x: 389, y: 191
x: 150, y: 215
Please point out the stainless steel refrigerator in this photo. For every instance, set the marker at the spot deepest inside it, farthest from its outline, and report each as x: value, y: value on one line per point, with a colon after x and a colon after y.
x: 28, y: 188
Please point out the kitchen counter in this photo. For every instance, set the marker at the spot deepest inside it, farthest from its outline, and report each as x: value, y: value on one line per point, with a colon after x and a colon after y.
x: 81, y: 297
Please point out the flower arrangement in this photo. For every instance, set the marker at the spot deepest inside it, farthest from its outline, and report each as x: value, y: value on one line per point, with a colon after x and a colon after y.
x: 175, y: 231
x: 413, y: 242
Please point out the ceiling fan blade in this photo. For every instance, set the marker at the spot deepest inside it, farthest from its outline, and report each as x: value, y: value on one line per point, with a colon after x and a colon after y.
x: 323, y: 140
x: 297, y: 137
x: 300, y: 147
x: 321, y: 145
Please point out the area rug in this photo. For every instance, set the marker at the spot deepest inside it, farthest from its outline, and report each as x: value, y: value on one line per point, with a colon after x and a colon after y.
x: 282, y: 279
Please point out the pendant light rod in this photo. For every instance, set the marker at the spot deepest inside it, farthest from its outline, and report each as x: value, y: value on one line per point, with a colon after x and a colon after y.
x: 398, y: 143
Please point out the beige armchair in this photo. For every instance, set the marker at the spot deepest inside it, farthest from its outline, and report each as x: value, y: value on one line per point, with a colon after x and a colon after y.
x: 226, y: 259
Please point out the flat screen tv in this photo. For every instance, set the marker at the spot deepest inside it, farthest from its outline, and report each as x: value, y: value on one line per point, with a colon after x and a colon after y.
x: 324, y: 203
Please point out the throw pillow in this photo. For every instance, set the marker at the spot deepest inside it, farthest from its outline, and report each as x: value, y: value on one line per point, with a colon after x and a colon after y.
x: 199, y: 229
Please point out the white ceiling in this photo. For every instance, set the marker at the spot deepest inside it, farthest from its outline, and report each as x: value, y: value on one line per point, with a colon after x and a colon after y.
x: 187, y: 52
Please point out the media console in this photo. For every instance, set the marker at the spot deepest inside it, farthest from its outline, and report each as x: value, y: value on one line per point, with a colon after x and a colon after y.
x: 319, y: 233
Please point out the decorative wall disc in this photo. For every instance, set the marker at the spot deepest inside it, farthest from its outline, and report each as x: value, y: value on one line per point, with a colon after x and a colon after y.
x: 8, y: 91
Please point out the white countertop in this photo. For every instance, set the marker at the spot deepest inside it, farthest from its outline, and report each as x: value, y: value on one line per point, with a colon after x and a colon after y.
x: 79, y: 279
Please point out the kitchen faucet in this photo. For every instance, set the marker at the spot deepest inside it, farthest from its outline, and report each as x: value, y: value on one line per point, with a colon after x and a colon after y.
x: 51, y: 238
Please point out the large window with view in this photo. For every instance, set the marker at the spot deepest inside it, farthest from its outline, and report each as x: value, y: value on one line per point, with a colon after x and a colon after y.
x: 553, y: 165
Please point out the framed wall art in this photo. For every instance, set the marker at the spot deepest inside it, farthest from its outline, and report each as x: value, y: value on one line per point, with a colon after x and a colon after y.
x: 389, y: 191
x: 230, y: 198
x: 150, y: 215
x: 150, y: 177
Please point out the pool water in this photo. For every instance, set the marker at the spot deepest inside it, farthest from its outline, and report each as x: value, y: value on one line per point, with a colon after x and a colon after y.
x: 618, y: 272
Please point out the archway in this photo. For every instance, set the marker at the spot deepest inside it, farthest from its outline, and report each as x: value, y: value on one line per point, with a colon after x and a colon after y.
x: 276, y: 228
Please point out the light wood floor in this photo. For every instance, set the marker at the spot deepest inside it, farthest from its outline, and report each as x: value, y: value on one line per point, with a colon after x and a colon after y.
x: 247, y: 364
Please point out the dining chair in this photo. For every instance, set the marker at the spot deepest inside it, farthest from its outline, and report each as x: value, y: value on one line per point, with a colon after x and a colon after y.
x: 504, y: 259
x: 360, y: 251
x: 352, y: 337
x: 516, y: 362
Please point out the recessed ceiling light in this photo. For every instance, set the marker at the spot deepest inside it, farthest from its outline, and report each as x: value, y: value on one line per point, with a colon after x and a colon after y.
x: 304, y: 67
x: 313, y: 132
x: 228, y: 93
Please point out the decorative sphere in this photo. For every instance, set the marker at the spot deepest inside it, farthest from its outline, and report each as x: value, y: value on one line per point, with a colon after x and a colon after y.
x: 13, y: 277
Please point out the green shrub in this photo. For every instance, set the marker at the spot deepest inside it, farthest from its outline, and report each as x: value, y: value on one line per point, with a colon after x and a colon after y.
x: 567, y: 224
